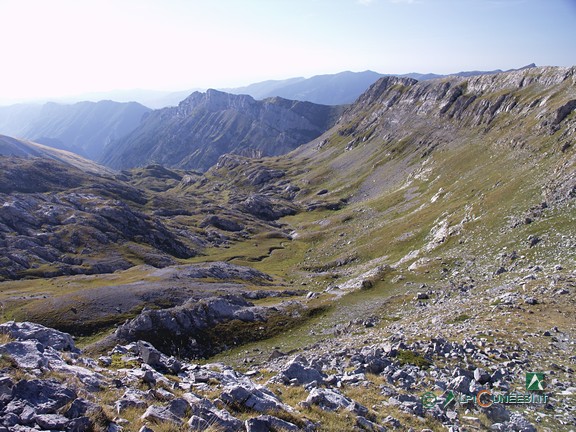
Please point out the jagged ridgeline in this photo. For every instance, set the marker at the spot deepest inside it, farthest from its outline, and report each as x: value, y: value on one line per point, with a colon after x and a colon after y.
x: 206, y: 125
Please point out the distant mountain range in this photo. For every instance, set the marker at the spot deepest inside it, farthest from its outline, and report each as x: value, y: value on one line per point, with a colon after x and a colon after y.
x: 204, y: 126
x: 336, y: 89
x: 267, y: 118
x: 329, y: 89
x: 84, y: 128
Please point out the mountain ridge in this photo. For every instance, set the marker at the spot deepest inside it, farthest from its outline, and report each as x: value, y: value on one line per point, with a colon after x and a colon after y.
x: 206, y: 125
x: 341, y: 88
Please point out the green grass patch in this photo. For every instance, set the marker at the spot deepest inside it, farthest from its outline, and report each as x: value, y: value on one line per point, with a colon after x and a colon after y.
x: 460, y: 319
x: 407, y: 357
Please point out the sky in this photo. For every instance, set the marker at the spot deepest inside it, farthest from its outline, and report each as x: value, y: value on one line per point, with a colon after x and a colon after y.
x: 60, y: 48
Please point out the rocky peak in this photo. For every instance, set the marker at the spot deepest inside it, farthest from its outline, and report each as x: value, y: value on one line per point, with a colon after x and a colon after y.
x: 382, y: 86
x: 206, y: 125
x: 213, y: 101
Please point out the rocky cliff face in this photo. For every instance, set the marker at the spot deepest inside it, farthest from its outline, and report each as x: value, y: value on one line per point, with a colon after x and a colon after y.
x: 474, y: 101
x: 206, y: 125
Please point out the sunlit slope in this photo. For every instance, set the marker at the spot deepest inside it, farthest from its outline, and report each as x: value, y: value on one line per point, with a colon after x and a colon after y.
x: 458, y: 166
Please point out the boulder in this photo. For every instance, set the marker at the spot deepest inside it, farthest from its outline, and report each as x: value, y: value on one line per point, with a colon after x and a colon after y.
x: 460, y: 384
x: 377, y: 365
x: 6, y: 386
x: 158, y: 414
x: 221, y: 223
x: 93, y: 381
x: 481, y: 376
x: 408, y: 403
x: 46, y: 336
x: 52, y: 421
x: 266, y: 423
x: 80, y: 424
x: 253, y: 399
x: 179, y: 407
x: 80, y: 407
x: 516, y: 423
x: 498, y: 413
x: 198, y: 424
x: 44, y: 396
x: 296, y: 372
x: 205, y: 412
x: 392, y: 421
x: 332, y: 400
x: 367, y: 425
x: 150, y: 355
x: 131, y: 399
x: 266, y: 208
x: 27, y: 354
x: 176, y: 329
x: 263, y: 175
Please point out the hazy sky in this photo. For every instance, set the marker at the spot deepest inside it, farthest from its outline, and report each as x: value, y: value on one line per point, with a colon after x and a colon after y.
x: 66, y: 47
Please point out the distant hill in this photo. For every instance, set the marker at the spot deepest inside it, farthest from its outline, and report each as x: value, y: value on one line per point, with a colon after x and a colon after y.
x: 84, y: 127
x: 26, y: 149
x: 204, y: 126
x: 335, y: 89
x: 153, y: 99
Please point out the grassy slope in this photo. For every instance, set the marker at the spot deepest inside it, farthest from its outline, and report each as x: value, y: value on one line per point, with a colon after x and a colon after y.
x: 474, y: 185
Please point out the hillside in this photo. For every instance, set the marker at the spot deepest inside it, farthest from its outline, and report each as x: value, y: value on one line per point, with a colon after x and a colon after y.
x: 27, y: 149
x: 421, y: 248
x: 84, y: 128
x: 207, y: 125
x: 62, y: 217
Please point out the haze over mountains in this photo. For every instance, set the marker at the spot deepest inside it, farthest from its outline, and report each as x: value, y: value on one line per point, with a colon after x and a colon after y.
x: 109, y: 131
x: 334, y: 89
x: 328, y: 89
x: 26, y: 149
x: 337, y: 89
x: 84, y: 127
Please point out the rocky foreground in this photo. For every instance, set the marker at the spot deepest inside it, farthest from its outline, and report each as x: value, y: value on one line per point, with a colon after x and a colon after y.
x: 49, y: 384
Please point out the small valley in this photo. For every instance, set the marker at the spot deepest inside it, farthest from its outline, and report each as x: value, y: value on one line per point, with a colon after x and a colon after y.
x: 354, y: 270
